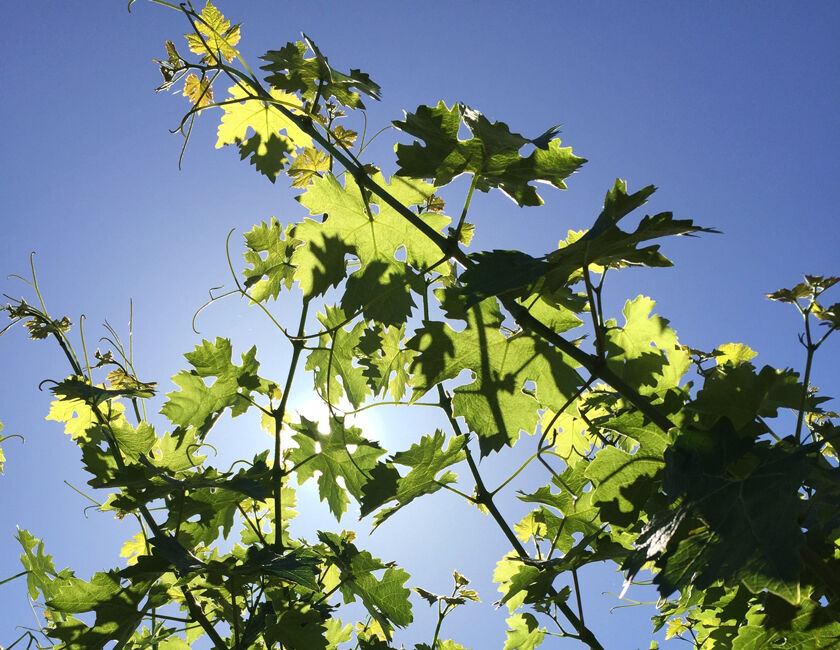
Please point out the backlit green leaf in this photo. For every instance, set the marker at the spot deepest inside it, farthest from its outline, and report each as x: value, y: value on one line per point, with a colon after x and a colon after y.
x: 336, y: 372
x: 215, y: 35
x: 334, y: 460
x: 260, y: 130
x: 270, y: 248
x: 386, y: 599
x: 427, y: 460
x: 197, y: 404
x: 492, y: 154
x: 525, y: 632
x: 311, y: 76
x: 496, y: 404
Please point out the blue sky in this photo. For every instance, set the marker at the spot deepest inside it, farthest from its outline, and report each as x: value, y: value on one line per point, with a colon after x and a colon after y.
x: 728, y: 108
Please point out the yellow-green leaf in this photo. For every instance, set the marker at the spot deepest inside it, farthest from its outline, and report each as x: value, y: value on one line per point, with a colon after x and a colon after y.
x: 215, y: 34
x: 198, y: 90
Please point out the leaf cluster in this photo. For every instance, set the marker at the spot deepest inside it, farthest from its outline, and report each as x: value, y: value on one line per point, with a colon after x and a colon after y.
x: 650, y: 455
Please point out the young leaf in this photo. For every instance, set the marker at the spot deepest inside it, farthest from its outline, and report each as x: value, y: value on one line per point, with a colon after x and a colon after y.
x: 198, y: 91
x: 215, y: 35
x: 525, y: 633
x: 309, y: 163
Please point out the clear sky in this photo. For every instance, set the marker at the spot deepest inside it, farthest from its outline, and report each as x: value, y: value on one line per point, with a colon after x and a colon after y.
x: 730, y: 109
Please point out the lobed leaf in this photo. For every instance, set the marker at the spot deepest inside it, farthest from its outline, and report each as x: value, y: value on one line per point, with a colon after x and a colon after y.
x: 427, y: 459
x: 260, y: 130
x: 491, y: 154
x: 314, y: 77
x: 334, y: 460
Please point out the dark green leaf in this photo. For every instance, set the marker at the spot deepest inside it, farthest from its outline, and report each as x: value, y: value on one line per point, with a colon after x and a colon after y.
x: 723, y: 529
x: 492, y: 154
x: 292, y: 71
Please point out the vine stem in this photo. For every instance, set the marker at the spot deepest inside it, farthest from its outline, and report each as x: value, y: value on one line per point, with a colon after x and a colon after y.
x: 595, y: 312
x: 279, y: 414
x: 485, y: 498
x: 810, y: 349
x: 441, y: 615
x: 467, y: 202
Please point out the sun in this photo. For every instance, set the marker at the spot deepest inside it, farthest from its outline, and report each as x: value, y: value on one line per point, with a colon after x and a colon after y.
x: 315, y: 409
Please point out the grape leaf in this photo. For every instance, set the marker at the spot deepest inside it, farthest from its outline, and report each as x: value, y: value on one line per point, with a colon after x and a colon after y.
x: 41, y: 573
x: 449, y: 644
x: 521, y: 583
x: 525, y: 633
x: 334, y: 460
x: 198, y: 91
x: 79, y: 388
x: 498, y: 272
x: 215, y: 35
x: 335, y: 357
x: 492, y: 154
x: 116, y: 607
x: 337, y: 633
x: 808, y: 627
x: 133, y: 441
x: 734, y: 353
x: 623, y: 483
x: 741, y: 394
x: 495, y: 405
x: 605, y: 245
x: 722, y: 479
x: 580, y: 514
x: 645, y: 351
x: 309, y: 163
x: 80, y: 419
x: 299, y: 627
x: 268, y: 147
x: 385, y: 361
x: 387, y: 600
x: 177, y: 451
x: 196, y: 404
x: 265, y: 277
x: 427, y: 459
x: 373, y: 233
x: 313, y: 76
